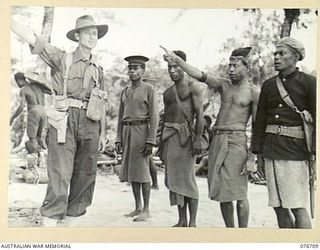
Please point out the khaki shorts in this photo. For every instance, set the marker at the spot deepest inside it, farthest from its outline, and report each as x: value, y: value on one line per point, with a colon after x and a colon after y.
x: 287, y: 182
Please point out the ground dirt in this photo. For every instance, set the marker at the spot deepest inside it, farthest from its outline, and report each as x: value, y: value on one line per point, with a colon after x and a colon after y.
x: 113, y: 199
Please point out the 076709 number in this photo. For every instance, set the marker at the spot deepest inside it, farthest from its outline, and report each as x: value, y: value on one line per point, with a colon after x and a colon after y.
x: 309, y: 245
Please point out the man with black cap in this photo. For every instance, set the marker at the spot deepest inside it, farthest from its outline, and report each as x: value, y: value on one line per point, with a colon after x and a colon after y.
x: 33, y: 87
x: 183, y: 103
x: 279, y: 135
x: 73, y: 146
x: 136, y: 134
x: 228, y: 150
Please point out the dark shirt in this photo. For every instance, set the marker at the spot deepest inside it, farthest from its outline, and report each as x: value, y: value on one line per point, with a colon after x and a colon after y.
x: 141, y: 105
x: 301, y: 88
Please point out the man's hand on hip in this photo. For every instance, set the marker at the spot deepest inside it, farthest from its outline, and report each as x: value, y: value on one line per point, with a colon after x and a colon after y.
x: 147, y: 150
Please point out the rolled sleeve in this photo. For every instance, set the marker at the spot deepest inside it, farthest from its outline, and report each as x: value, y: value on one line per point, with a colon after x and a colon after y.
x: 51, y: 55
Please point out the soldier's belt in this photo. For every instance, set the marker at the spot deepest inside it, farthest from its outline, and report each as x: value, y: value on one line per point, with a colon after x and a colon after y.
x: 77, y: 103
x: 290, y: 131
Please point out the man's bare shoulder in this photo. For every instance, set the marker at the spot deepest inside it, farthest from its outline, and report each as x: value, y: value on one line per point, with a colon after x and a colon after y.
x: 194, y: 87
x: 167, y: 90
x: 255, y: 91
x: 25, y: 89
x: 218, y: 83
x: 147, y: 85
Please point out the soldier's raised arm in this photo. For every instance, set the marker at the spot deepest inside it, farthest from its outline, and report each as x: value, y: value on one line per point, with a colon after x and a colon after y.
x: 24, y: 32
x: 212, y: 82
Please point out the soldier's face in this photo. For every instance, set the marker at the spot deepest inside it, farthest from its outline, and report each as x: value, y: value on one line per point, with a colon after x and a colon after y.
x: 175, y: 71
x: 284, y: 59
x: 236, y: 70
x: 135, y: 72
x: 88, y: 37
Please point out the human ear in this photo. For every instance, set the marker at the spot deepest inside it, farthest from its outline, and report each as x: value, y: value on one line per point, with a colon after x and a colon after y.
x: 76, y: 36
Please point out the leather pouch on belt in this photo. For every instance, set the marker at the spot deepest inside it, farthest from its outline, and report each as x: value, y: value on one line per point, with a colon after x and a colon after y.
x: 58, y: 120
x: 61, y: 102
x: 95, y: 105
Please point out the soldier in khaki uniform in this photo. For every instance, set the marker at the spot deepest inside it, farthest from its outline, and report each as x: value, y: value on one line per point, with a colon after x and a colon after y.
x: 72, y: 155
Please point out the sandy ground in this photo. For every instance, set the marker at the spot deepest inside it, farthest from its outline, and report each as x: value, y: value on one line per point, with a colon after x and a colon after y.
x: 112, y: 200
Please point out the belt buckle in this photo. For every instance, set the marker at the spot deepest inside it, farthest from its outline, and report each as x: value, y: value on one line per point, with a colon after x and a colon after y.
x: 278, y: 130
x: 83, y: 105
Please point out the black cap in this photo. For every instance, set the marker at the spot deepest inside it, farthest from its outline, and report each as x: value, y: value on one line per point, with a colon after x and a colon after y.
x: 181, y: 54
x: 241, y: 52
x: 136, y: 60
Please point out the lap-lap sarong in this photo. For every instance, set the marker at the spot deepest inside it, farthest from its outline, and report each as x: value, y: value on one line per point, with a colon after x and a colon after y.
x: 227, y: 156
x: 287, y: 183
x: 179, y: 164
x: 134, y: 166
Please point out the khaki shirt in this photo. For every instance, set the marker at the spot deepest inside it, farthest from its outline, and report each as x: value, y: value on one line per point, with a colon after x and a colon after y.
x: 82, y: 72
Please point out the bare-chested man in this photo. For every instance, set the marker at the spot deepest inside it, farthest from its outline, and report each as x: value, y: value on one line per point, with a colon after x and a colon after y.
x: 32, y: 94
x: 179, y: 148
x: 228, y: 151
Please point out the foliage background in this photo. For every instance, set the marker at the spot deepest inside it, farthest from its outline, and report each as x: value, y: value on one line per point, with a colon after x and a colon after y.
x: 141, y: 31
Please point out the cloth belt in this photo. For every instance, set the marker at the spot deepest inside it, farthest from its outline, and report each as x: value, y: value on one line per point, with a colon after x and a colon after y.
x: 294, y: 131
x: 218, y: 130
x: 77, y: 103
x: 133, y: 123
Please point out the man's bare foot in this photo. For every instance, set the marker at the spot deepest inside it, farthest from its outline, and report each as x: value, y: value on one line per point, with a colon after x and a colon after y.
x: 180, y: 224
x: 134, y: 213
x: 142, y: 217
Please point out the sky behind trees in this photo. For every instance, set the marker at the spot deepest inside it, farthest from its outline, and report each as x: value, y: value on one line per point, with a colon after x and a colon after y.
x: 201, y: 33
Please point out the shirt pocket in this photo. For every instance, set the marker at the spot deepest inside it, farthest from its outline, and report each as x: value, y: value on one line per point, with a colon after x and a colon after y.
x: 75, y: 79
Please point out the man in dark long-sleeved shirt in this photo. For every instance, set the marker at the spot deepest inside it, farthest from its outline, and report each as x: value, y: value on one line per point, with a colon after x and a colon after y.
x: 278, y: 136
x: 136, y: 134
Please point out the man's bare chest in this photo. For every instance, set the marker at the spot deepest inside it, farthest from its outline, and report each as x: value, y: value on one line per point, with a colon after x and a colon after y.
x: 238, y: 96
x: 184, y: 93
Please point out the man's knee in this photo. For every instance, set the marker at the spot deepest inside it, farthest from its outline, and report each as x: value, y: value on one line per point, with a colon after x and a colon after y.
x: 281, y: 211
x: 299, y: 211
x: 226, y: 204
x: 242, y: 204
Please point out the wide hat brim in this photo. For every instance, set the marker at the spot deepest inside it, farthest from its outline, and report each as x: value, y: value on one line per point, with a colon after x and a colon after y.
x: 102, y: 30
x: 40, y: 81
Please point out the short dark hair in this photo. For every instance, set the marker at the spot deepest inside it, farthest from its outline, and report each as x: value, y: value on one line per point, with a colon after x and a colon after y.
x: 181, y: 54
x: 19, y: 76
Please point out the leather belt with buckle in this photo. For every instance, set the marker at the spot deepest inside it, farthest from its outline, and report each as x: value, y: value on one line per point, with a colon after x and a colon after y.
x: 77, y: 103
x: 290, y: 131
x: 133, y: 123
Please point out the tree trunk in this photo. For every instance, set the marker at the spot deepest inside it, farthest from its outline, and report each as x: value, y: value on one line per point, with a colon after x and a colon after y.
x: 290, y: 16
x: 47, y: 22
